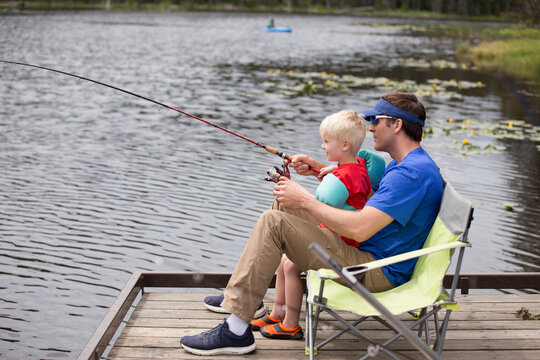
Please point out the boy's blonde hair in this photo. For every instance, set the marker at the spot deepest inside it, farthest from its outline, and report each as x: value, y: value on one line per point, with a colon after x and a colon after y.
x: 345, y: 125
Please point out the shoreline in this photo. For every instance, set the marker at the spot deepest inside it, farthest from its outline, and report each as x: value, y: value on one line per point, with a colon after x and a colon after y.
x: 22, y: 7
x: 507, y: 47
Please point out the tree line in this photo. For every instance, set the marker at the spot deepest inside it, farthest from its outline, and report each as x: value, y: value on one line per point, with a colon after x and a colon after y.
x: 521, y: 10
x: 463, y: 7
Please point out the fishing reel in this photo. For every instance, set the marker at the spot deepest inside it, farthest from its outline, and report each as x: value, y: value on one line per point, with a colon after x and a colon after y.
x: 276, y: 172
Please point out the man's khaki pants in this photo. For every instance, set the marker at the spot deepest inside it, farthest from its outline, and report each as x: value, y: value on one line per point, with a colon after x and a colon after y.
x: 277, y: 232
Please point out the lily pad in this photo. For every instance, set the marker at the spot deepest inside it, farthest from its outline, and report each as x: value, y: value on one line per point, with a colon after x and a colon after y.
x: 512, y: 207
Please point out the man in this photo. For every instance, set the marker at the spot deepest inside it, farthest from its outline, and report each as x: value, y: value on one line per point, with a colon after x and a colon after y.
x: 396, y: 219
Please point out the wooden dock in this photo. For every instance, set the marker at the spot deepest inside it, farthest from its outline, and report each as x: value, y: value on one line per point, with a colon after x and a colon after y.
x: 484, y: 327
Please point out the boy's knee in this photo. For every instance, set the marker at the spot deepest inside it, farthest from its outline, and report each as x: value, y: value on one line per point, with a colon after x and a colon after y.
x: 290, y: 267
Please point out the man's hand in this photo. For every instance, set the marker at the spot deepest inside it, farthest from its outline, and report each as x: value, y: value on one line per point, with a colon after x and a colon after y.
x: 303, y: 164
x: 290, y: 194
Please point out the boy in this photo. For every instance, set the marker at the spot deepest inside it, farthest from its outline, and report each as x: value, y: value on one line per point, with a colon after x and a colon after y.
x: 346, y: 187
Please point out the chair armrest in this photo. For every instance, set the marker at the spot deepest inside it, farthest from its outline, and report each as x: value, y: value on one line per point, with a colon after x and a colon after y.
x: 361, y: 268
x: 327, y: 274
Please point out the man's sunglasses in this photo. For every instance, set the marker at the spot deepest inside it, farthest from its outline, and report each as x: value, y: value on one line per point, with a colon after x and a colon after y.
x: 375, y: 120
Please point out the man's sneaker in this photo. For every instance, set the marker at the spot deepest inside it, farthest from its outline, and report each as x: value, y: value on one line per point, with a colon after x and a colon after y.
x: 213, y: 303
x: 262, y: 322
x: 277, y: 331
x: 219, y: 340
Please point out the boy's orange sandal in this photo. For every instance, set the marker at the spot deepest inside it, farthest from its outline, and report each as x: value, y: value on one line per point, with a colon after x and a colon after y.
x: 277, y: 331
x: 262, y: 322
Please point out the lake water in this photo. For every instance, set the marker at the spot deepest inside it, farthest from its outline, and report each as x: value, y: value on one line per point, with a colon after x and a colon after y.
x: 96, y: 184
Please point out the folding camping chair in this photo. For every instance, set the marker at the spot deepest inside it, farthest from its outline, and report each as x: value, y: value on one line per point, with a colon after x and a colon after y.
x: 423, y: 296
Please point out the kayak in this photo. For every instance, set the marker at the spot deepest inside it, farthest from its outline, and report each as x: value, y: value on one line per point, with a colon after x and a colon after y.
x: 277, y: 29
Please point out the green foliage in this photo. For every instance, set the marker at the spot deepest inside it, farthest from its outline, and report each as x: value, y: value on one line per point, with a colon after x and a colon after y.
x: 514, y: 50
x: 308, y: 88
x: 515, y: 10
x: 517, y: 57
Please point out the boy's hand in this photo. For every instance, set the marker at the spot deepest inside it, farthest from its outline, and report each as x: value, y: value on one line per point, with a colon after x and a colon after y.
x: 303, y: 164
x: 326, y: 170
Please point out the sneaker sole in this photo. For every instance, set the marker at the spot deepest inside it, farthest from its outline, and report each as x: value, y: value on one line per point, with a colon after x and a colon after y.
x: 220, y: 351
x: 218, y: 309
x: 299, y: 335
x: 260, y: 312
x: 283, y: 337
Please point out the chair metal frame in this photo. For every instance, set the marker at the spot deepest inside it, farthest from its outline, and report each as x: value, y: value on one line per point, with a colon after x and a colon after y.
x: 430, y: 351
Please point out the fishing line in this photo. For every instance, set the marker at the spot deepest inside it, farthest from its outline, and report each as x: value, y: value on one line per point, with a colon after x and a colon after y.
x: 267, y: 148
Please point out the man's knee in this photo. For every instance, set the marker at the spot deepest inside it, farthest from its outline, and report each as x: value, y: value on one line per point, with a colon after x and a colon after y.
x: 269, y: 229
x: 272, y: 218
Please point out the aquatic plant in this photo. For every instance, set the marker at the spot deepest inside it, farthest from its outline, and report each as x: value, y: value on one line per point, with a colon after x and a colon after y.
x: 469, y: 135
x: 309, y: 88
x: 512, y: 207
x: 307, y: 83
x: 423, y: 63
x: 503, y: 129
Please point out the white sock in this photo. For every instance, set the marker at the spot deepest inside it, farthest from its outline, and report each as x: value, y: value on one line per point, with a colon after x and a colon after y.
x: 236, y: 325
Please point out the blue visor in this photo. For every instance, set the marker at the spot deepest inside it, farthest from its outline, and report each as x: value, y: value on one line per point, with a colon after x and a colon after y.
x: 384, y: 107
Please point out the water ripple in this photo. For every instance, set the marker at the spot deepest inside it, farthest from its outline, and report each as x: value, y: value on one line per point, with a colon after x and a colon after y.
x: 96, y: 184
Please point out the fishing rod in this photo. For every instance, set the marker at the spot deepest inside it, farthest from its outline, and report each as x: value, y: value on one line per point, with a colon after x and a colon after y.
x: 270, y: 149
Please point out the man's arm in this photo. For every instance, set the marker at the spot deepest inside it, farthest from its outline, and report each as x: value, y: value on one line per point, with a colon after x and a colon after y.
x: 357, y: 225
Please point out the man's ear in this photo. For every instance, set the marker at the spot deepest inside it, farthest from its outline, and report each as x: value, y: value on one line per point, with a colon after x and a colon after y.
x: 398, y: 125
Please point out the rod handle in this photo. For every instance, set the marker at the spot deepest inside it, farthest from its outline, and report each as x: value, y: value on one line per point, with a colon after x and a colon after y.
x: 276, y: 152
x: 285, y: 156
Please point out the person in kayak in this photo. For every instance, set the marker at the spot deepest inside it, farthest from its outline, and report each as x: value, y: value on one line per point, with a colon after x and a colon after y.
x: 271, y: 23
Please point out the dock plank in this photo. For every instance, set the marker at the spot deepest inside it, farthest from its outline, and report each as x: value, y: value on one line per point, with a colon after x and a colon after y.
x: 484, y: 327
x: 261, y: 354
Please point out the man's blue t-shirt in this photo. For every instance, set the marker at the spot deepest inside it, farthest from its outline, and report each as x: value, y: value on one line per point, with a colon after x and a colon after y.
x: 411, y: 193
